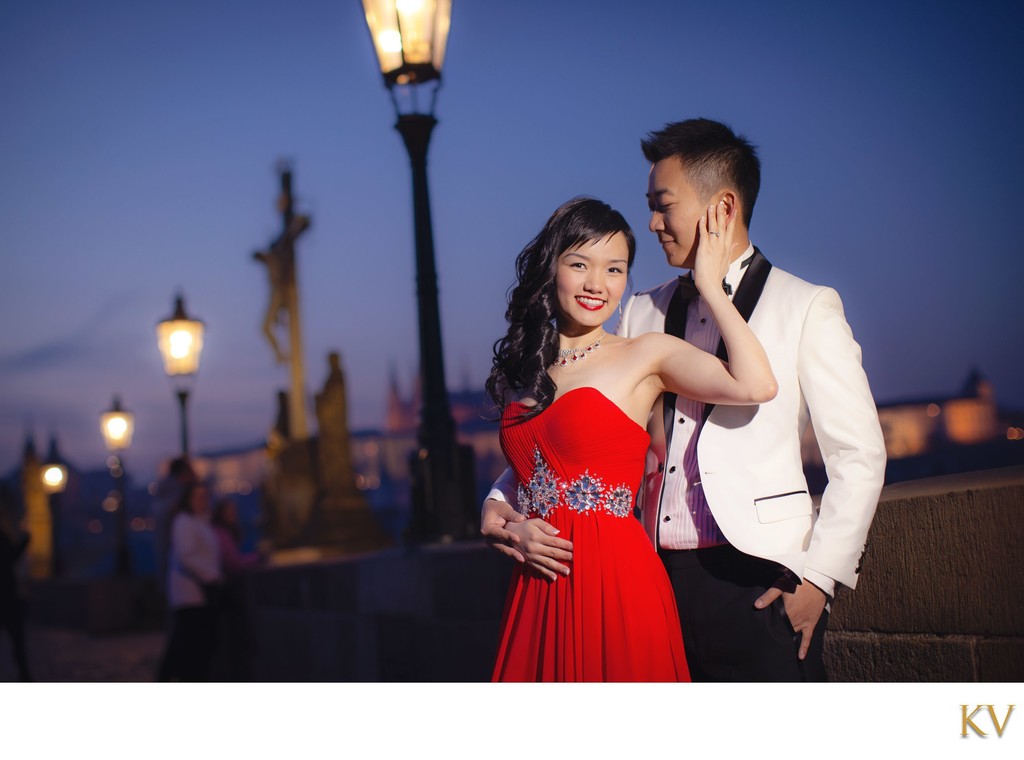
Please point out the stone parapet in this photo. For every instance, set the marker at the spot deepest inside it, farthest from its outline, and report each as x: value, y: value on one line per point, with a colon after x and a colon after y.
x: 429, y: 614
x: 939, y: 599
x: 942, y: 585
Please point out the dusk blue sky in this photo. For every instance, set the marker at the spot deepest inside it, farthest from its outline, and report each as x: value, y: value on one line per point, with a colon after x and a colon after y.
x: 139, y: 140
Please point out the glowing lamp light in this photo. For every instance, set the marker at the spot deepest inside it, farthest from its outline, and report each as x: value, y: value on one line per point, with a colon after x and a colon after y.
x: 180, y: 344
x: 410, y: 37
x: 117, y: 427
x: 180, y: 339
x: 54, y: 478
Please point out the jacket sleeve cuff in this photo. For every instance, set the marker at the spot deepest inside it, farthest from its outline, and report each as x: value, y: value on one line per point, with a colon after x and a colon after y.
x: 498, y: 495
x: 504, y: 489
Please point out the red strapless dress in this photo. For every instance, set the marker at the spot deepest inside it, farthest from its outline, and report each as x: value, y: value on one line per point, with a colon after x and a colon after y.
x: 579, y: 464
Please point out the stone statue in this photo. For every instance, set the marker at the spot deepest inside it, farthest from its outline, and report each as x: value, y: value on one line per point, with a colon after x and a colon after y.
x: 335, y: 449
x: 283, y: 305
x: 280, y: 274
x: 280, y: 264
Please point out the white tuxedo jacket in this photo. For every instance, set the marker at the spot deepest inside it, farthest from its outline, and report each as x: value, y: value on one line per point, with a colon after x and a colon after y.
x: 749, y: 456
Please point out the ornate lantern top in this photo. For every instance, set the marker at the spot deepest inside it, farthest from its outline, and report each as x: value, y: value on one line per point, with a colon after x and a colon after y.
x: 410, y: 37
x: 180, y: 339
x: 117, y: 427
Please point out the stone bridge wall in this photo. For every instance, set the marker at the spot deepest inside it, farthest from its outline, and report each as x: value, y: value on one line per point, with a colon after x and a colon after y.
x: 939, y: 599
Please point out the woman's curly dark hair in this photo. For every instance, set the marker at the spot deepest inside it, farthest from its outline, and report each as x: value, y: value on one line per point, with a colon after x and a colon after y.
x: 522, y: 357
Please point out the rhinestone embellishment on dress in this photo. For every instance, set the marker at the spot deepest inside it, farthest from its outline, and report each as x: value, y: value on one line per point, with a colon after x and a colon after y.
x: 587, y: 493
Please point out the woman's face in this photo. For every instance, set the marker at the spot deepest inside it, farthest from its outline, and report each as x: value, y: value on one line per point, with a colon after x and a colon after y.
x: 227, y: 513
x: 590, y: 280
x: 199, y: 502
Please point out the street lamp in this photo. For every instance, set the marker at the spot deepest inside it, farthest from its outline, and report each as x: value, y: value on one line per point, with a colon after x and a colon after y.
x: 54, y: 477
x: 117, y: 426
x: 410, y: 38
x: 180, y: 339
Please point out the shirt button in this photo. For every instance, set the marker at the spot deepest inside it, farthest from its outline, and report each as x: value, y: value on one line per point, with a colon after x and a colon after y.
x: 672, y: 468
x: 666, y: 519
x: 703, y: 320
x: 682, y: 420
x: 661, y: 467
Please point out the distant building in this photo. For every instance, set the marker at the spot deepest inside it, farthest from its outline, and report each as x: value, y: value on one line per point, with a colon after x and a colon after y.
x: 380, y: 456
x: 78, y: 526
x: 923, y: 437
x: 939, y: 435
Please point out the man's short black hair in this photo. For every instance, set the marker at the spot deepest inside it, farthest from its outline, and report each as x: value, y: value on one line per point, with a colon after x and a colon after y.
x: 713, y: 156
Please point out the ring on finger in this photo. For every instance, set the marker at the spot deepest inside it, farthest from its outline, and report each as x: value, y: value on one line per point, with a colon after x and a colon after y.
x: 716, y: 234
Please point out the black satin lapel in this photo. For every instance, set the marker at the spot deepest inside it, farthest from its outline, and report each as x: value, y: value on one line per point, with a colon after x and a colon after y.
x: 675, y: 324
x: 746, y: 298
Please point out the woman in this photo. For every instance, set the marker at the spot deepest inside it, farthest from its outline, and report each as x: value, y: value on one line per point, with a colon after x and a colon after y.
x: 575, y: 403
x: 228, y: 529
x: 194, y: 580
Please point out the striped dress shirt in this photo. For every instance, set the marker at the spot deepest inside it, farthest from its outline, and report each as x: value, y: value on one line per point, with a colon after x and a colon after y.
x: 684, y: 519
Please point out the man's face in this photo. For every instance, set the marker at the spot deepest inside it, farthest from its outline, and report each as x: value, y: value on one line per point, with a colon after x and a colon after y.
x: 675, y: 208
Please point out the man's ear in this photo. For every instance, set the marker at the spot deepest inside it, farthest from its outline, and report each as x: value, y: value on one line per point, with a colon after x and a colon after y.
x: 728, y: 197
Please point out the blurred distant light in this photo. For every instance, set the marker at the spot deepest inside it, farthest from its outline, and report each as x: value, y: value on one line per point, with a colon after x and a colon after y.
x: 54, y: 477
x: 934, y: 410
x: 1014, y: 434
x: 180, y: 339
x: 117, y: 427
x: 53, y: 474
x: 138, y: 524
x: 180, y: 343
x: 110, y: 503
x: 95, y: 526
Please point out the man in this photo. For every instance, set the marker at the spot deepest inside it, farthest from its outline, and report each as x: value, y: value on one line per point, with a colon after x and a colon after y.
x: 12, y: 605
x: 724, y: 499
x: 166, y: 497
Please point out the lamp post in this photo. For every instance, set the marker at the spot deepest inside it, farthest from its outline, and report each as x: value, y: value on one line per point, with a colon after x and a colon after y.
x: 54, y: 477
x: 410, y: 38
x: 117, y: 426
x: 180, y: 339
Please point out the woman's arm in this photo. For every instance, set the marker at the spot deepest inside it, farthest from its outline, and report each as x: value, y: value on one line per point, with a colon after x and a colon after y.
x: 683, y: 369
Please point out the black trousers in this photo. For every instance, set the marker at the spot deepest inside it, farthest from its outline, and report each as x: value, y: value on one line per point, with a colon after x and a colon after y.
x: 726, y: 638
x: 192, y: 644
x: 14, y: 624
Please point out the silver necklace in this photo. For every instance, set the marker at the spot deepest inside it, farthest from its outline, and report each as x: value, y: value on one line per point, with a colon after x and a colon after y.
x: 569, y: 355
